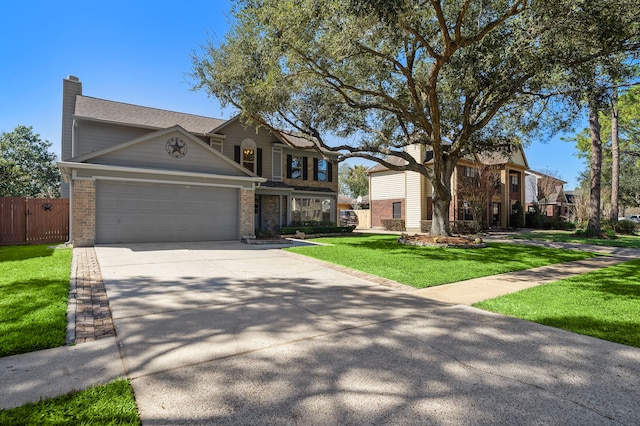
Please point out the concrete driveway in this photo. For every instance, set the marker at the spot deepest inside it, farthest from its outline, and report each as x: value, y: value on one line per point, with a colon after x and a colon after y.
x: 230, y: 333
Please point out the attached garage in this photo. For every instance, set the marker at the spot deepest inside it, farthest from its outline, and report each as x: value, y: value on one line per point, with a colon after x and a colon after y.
x: 140, y: 212
x: 167, y: 186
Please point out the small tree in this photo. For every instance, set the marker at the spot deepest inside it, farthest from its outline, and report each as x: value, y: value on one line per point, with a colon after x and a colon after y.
x: 517, y: 215
x: 477, y: 188
x: 27, y: 168
x: 353, y: 180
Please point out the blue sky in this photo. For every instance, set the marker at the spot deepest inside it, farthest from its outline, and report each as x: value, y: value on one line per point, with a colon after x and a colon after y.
x: 136, y: 52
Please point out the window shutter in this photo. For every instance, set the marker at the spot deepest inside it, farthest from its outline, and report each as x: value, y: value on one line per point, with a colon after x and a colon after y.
x: 305, y: 167
x: 236, y: 153
x: 289, y: 158
x: 329, y: 171
x: 259, y: 160
x: 315, y: 169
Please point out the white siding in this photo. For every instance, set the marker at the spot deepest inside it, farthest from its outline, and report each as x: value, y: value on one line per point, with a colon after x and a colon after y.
x: 387, y: 185
x: 415, y: 200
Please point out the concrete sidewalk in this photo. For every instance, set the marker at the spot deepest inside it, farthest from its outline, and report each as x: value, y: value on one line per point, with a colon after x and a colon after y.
x: 479, y: 289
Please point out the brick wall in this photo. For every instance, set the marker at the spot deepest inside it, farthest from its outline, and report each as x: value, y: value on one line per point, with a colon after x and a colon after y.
x: 383, y: 209
x: 270, y: 212
x: 84, y: 213
x: 247, y: 209
x: 333, y: 185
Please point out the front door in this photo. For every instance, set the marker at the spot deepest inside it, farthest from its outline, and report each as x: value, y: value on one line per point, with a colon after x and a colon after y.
x: 495, y: 215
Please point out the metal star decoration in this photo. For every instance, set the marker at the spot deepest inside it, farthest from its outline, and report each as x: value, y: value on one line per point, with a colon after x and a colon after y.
x: 176, y: 147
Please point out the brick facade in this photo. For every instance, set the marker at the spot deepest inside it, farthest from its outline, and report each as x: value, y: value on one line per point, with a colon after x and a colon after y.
x: 247, y: 209
x: 309, y: 182
x: 270, y: 212
x: 84, y: 213
x: 383, y: 209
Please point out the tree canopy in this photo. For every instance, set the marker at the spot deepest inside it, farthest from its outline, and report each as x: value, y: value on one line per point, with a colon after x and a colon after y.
x: 403, y: 78
x: 629, y: 142
x: 27, y: 168
x: 353, y: 180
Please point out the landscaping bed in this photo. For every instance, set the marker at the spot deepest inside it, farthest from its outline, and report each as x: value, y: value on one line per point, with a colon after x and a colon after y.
x: 439, y: 241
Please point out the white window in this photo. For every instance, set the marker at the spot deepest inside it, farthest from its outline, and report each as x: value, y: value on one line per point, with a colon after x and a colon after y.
x: 277, y: 164
x: 248, y: 155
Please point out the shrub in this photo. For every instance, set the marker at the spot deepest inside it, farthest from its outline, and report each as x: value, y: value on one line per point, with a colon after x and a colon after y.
x: 590, y: 233
x: 393, y: 224
x: 517, y: 216
x: 312, y: 223
x: 466, y: 227
x: 290, y: 230
x: 626, y: 227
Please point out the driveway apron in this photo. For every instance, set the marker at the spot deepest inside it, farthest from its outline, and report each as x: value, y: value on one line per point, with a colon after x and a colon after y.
x: 233, y: 333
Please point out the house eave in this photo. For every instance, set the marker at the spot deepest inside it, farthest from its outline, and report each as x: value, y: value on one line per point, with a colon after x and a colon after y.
x: 67, y: 167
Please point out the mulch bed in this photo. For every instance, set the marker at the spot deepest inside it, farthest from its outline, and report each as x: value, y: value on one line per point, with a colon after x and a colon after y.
x: 448, y: 242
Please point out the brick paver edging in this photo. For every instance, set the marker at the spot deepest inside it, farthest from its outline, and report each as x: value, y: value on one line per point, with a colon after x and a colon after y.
x: 88, y: 314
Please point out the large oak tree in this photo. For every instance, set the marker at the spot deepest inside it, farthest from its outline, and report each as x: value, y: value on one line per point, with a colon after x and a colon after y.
x: 448, y: 78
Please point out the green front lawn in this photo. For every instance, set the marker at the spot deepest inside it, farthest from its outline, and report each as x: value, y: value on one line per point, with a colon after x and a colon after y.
x: 111, y: 404
x: 626, y: 241
x: 603, y: 304
x: 421, y: 267
x: 34, y: 290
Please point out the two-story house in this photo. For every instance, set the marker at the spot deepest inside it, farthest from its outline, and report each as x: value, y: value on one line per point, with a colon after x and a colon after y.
x: 407, y: 195
x: 139, y: 174
x: 547, y: 193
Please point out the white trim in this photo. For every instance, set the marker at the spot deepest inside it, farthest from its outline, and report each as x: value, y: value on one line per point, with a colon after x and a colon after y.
x: 168, y: 182
x: 103, y: 167
x: 158, y: 134
x: 276, y: 164
x: 249, y: 144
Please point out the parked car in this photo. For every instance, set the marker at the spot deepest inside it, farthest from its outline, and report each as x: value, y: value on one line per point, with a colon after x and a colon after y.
x: 633, y: 217
x: 348, y: 218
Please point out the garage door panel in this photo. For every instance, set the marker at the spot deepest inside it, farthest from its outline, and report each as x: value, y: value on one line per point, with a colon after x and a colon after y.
x: 144, y: 212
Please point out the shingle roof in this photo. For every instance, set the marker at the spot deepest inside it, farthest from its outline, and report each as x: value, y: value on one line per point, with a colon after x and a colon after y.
x: 396, y: 161
x: 122, y: 113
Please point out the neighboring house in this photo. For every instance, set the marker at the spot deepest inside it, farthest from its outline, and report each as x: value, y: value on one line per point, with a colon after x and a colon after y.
x: 345, y: 202
x: 548, y: 193
x: 140, y: 174
x: 407, y: 195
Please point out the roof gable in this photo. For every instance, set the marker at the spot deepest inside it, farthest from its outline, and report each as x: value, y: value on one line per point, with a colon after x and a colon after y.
x: 169, y: 149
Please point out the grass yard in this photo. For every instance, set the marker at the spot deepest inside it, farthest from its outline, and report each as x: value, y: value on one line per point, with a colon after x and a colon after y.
x: 626, y: 241
x: 603, y: 304
x: 111, y: 404
x: 422, y: 267
x: 34, y: 290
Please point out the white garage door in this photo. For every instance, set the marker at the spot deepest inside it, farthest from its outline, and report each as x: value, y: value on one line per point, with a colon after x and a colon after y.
x: 148, y: 212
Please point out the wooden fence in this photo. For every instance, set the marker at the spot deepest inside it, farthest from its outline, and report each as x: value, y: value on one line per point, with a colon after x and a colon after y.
x: 33, y: 220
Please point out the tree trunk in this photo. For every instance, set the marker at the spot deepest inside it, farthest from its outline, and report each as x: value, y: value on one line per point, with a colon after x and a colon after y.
x: 440, y: 225
x: 595, y: 167
x: 615, y: 157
